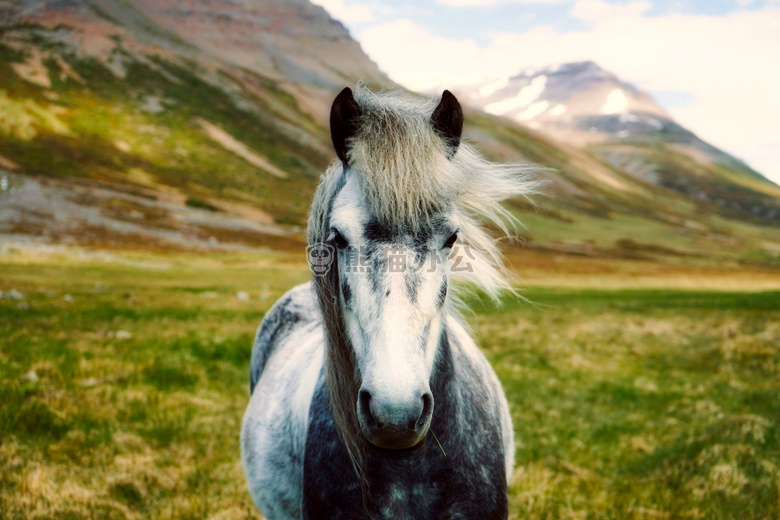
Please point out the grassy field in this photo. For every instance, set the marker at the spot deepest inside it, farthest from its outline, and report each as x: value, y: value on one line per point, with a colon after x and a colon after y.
x: 123, y: 379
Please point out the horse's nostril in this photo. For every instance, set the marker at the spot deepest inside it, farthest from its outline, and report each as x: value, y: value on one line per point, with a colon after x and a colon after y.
x: 427, y: 410
x: 364, y: 404
x: 392, y: 420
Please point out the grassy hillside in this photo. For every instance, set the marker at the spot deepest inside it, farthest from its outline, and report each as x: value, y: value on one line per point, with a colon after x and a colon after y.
x: 716, y: 181
x: 124, y: 378
x: 591, y: 208
x: 145, y: 130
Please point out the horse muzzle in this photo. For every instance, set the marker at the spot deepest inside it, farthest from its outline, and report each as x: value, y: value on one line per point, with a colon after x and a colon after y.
x: 394, y: 424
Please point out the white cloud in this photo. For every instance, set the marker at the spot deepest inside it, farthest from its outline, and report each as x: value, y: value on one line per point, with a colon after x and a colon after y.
x: 462, y: 3
x: 765, y: 157
x: 351, y: 13
x: 599, y: 10
x: 728, y: 62
x: 412, y: 56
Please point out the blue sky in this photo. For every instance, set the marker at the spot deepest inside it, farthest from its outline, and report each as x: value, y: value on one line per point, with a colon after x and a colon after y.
x: 713, y: 64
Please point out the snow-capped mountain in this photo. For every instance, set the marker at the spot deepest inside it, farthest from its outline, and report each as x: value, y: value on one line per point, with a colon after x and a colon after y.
x: 579, y: 102
x: 583, y: 105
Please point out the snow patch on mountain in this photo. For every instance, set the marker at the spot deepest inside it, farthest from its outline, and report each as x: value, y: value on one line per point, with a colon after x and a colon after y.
x: 616, y: 102
x: 525, y: 97
x: 533, y: 111
x: 655, y: 123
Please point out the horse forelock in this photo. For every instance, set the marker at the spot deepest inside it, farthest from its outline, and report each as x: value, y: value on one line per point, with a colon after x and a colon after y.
x: 399, y: 160
x: 408, y: 173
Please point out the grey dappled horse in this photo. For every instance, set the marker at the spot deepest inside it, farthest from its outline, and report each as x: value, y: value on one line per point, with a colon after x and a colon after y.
x: 368, y: 397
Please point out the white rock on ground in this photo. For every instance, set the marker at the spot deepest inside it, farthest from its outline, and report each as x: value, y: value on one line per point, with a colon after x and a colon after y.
x: 13, y: 294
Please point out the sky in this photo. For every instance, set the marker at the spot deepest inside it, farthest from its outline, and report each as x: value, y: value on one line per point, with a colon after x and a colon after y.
x: 714, y: 65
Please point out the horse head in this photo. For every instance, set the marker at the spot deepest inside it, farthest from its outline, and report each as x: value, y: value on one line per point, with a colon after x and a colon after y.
x: 401, y: 209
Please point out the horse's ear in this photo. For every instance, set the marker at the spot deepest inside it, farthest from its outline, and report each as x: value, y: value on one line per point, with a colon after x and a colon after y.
x: 447, y: 120
x: 344, y: 115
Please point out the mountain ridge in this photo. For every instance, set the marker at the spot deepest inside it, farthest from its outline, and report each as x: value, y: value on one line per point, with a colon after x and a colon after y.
x: 143, y: 128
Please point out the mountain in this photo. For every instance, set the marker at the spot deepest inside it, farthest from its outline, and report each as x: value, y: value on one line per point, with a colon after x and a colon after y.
x: 203, y: 125
x: 170, y: 121
x: 561, y: 98
x: 584, y: 105
x: 292, y: 43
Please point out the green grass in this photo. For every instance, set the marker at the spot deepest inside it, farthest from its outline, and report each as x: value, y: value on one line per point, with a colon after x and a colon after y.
x: 143, y: 376
x: 633, y: 403
x: 642, y: 403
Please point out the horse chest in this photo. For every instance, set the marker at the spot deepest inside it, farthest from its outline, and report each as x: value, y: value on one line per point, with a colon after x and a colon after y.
x: 422, y: 485
x: 398, y: 490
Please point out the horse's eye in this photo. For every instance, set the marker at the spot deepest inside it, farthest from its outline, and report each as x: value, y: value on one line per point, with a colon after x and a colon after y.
x: 450, y: 241
x: 339, y: 240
